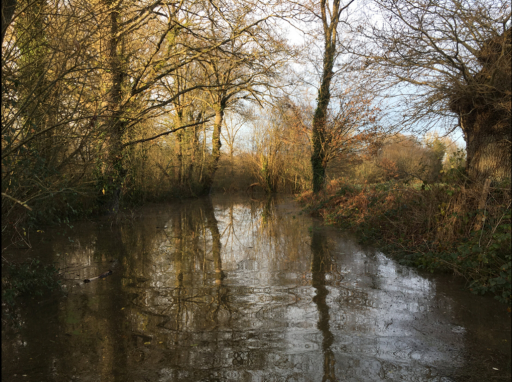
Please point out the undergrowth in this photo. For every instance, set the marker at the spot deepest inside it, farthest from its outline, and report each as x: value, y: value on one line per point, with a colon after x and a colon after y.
x: 444, y: 227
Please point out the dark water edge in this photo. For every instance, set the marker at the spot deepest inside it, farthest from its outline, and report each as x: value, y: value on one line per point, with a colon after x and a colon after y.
x: 234, y: 289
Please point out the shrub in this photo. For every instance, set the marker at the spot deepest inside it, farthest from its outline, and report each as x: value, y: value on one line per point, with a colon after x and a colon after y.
x: 438, y: 226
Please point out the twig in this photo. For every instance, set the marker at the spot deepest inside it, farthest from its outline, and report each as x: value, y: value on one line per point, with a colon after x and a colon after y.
x: 17, y: 201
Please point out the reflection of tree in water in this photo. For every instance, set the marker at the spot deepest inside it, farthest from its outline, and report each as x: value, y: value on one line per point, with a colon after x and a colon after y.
x: 221, y: 293
x: 208, y: 303
x: 320, y: 265
x: 169, y: 313
x: 229, y: 234
x: 269, y: 228
x: 92, y: 318
x: 190, y: 309
x: 268, y: 210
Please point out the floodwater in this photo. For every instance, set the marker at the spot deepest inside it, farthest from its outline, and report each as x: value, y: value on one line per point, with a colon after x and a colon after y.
x: 234, y: 289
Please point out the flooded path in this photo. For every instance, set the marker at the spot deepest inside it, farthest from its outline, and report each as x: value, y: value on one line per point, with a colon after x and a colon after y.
x: 229, y: 289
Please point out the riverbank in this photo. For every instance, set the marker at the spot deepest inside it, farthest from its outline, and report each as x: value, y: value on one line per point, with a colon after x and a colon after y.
x: 442, y: 227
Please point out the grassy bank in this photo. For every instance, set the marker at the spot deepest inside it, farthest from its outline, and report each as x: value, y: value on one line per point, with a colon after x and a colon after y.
x: 441, y: 227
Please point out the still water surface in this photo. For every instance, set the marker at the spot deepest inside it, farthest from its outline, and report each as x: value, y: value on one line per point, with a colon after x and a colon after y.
x: 233, y: 289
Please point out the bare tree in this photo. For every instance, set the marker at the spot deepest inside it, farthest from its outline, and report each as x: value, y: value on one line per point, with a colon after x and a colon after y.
x: 451, y: 57
x: 329, y: 15
x: 49, y: 113
x: 244, y: 69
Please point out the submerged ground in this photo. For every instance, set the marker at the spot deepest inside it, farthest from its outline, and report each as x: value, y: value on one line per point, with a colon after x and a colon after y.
x: 234, y: 289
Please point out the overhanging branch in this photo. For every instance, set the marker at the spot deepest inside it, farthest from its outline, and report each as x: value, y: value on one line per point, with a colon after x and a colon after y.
x: 167, y: 132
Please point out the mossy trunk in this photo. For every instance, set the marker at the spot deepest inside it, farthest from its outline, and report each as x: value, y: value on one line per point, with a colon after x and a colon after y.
x: 318, y: 141
x: 115, y: 172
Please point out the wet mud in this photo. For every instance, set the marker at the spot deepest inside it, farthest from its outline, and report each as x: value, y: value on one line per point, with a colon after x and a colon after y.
x: 233, y: 289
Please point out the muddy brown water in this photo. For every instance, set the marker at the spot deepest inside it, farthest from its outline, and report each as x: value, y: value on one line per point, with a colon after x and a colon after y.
x: 233, y: 289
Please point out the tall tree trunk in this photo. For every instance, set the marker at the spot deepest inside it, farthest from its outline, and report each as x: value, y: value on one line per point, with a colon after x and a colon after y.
x: 330, y: 20
x: 179, y: 156
x: 193, y: 156
x: 319, y: 119
x: 216, y: 145
x: 115, y: 172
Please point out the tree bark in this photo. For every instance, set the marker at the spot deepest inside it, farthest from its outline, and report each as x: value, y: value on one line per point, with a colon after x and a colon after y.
x: 216, y: 145
x: 318, y: 132
x: 483, y: 106
x: 179, y: 156
x: 487, y: 145
x: 330, y: 20
x: 115, y: 172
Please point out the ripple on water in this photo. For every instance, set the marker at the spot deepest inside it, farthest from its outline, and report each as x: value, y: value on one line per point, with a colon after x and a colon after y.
x: 236, y: 290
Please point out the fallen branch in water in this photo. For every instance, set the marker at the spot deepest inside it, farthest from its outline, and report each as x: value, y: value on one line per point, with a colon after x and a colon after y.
x: 102, y: 276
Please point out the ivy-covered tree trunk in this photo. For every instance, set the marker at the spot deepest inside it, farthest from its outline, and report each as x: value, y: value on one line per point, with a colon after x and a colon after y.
x: 115, y: 171
x: 318, y: 141
x: 330, y: 15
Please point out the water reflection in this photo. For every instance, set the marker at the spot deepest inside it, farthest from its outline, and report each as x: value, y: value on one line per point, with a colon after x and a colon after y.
x: 321, y: 264
x: 233, y: 290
